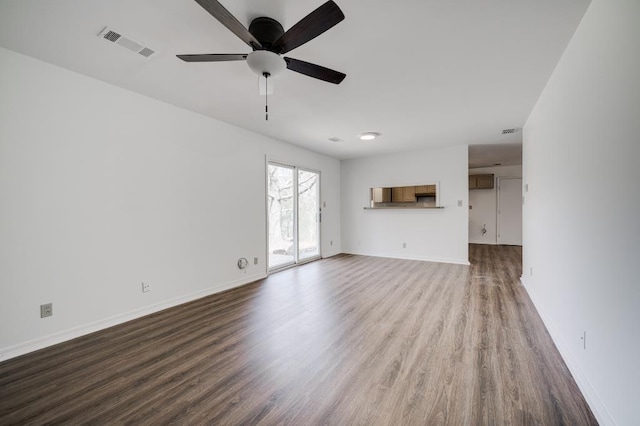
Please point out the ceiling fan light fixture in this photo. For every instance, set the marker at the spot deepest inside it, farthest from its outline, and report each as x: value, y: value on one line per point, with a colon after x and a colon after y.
x: 263, y: 61
x: 368, y: 136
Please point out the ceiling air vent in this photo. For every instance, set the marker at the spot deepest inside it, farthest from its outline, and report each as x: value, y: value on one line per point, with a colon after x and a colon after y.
x: 119, y: 39
x: 509, y: 131
x: 112, y: 36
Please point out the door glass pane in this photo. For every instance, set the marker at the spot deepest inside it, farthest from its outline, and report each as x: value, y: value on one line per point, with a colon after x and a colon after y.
x: 308, y: 214
x: 280, y: 205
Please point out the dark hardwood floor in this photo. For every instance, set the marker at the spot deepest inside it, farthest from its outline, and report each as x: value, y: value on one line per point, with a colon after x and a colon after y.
x: 346, y: 340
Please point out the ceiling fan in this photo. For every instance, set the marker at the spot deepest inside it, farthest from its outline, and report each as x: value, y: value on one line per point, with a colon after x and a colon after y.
x: 268, y: 40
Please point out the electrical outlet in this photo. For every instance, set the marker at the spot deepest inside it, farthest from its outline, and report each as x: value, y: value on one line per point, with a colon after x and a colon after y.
x: 46, y: 310
x: 404, y: 245
x: 459, y: 203
x: 255, y: 260
x: 331, y: 243
x: 146, y: 287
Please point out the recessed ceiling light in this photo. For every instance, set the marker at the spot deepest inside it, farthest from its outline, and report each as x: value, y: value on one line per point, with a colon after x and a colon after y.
x: 335, y: 139
x: 367, y: 136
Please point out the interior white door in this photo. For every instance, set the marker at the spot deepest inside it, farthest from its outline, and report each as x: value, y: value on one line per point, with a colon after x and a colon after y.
x: 509, y: 211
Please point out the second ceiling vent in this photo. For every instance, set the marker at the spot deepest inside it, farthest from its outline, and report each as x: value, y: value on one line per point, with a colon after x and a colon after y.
x: 509, y: 131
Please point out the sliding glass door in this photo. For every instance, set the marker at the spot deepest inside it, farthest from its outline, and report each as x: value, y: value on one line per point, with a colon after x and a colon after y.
x: 308, y: 215
x: 293, y: 212
x: 280, y: 204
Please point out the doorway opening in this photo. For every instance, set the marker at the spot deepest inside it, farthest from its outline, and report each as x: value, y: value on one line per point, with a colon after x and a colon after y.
x: 293, y: 215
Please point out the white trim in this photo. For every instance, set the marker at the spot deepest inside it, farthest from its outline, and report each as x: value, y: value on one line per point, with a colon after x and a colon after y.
x: 331, y: 254
x: 295, y: 190
x: 422, y: 258
x: 480, y: 242
x: 266, y: 213
x: 72, y: 333
x: 588, y: 391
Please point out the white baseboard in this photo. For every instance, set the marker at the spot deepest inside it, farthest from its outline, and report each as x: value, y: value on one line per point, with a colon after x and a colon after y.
x: 423, y: 258
x: 72, y: 333
x: 491, y: 243
x: 588, y: 391
x: 331, y: 254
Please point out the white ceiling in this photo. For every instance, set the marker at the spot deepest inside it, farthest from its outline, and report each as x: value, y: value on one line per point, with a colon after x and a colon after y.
x: 423, y: 73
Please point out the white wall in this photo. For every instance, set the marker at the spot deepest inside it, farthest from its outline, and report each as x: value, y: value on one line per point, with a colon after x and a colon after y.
x: 436, y: 235
x: 484, y: 204
x: 101, y: 189
x: 582, y: 210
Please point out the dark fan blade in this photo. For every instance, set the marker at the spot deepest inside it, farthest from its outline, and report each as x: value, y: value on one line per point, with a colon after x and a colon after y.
x: 228, y: 20
x: 315, y: 71
x: 309, y: 27
x: 213, y: 57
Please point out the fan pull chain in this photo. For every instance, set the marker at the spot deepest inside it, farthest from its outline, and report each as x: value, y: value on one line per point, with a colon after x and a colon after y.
x: 266, y: 95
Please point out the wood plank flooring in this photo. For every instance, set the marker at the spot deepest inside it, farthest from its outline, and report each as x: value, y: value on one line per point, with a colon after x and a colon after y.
x: 349, y: 340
